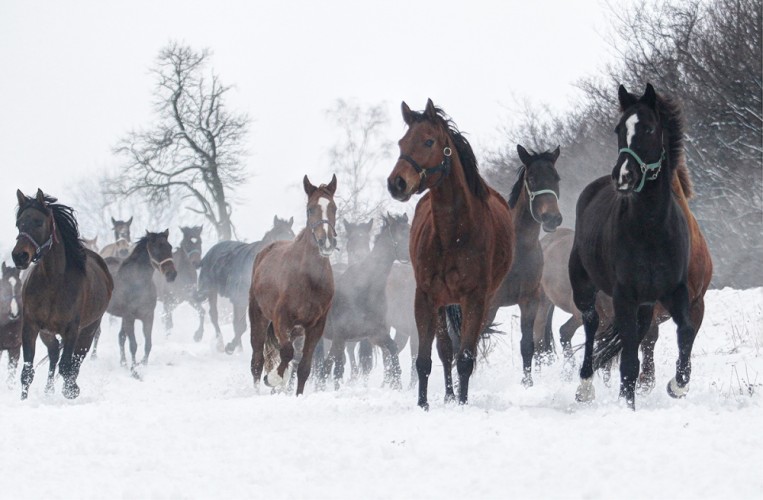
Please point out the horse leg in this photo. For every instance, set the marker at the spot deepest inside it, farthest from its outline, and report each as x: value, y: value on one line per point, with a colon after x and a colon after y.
x: 54, y: 352
x: 627, y: 313
x: 542, y: 331
x: 646, y: 380
x: 392, y: 367
x: 584, y: 296
x: 29, y: 334
x: 81, y: 347
x: 365, y: 358
x: 528, y: 308
x: 148, y: 326
x: 93, y: 354
x: 258, y: 328
x: 445, y: 352
x: 312, y: 336
x: 214, y: 319
x: 354, y: 368
x: 277, y: 377
x: 425, y: 314
x: 128, y: 326
x: 414, y: 354
x: 239, y: 327
x: 199, y: 333
x: 474, y: 315
x: 336, y: 354
x: 66, y: 366
x: 13, y: 363
x: 167, y: 307
x: 677, y: 304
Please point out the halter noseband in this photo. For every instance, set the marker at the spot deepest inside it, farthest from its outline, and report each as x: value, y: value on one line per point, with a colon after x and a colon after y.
x: 312, y: 230
x: 39, y: 249
x: 534, y: 194
x: 158, y: 265
x: 443, y: 167
x: 645, y: 167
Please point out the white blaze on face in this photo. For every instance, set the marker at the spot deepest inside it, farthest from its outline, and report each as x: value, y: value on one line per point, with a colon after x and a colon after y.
x: 630, y: 131
x: 324, y: 204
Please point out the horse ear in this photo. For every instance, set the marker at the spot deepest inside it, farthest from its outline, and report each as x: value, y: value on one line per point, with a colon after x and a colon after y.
x: 129, y: 221
x: 346, y: 224
x: 40, y: 196
x: 113, y: 222
x: 5, y: 268
x: 166, y: 233
x: 332, y: 185
x: 407, y: 113
x: 405, y: 217
x: 95, y: 240
x: 524, y: 156
x: 650, y: 96
x: 21, y: 197
x: 275, y: 220
x: 291, y: 220
x: 309, y: 188
x: 370, y: 224
x: 431, y: 111
x: 555, y: 153
x: 625, y: 98
x: 517, y: 189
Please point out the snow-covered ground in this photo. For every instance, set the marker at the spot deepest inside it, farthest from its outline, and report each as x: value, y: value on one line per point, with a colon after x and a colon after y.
x: 195, y: 428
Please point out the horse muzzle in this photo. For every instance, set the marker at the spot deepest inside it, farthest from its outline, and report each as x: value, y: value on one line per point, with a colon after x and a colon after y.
x: 550, y: 221
x: 21, y: 259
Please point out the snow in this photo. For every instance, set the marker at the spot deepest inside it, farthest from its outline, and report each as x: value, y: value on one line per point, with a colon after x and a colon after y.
x: 194, y: 427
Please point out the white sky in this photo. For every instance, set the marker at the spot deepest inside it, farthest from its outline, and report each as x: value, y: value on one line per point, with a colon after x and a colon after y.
x: 75, y: 79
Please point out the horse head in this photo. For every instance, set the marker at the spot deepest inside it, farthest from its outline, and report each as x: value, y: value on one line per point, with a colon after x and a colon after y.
x: 121, y: 229
x: 160, y: 253
x: 37, y: 228
x: 358, y: 239
x: 281, y: 231
x: 91, y: 244
x: 540, y: 180
x: 191, y: 244
x: 398, y: 229
x: 425, y: 153
x: 321, y: 214
x: 641, y: 148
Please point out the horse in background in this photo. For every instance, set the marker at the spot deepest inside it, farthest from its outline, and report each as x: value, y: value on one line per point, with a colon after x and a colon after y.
x: 359, y: 309
x: 461, y: 242
x: 10, y: 318
x: 292, y: 289
x: 135, y: 293
x: 632, y: 241
x: 122, y: 245
x: 534, y: 205
x: 187, y: 259
x: 64, y: 295
x: 91, y: 244
x: 226, y: 270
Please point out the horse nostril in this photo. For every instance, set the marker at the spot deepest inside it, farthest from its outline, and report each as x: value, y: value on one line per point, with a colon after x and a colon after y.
x: 400, y: 184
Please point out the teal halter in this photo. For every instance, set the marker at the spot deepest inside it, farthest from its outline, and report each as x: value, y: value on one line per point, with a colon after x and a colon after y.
x: 533, y: 194
x: 645, y: 167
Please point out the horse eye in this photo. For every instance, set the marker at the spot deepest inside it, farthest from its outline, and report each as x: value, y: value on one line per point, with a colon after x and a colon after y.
x: 429, y: 143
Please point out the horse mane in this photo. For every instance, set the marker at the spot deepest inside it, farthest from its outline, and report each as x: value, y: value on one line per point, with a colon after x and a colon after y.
x: 671, y: 115
x: 139, y: 250
x: 465, y: 153
x: 67, y: 226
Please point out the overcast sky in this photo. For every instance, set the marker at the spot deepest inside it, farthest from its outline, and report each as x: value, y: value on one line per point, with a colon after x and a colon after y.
x: 75, y: 79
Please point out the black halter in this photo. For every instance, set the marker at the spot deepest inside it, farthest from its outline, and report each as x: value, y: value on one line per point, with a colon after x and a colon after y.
x: 443, y: 168
x: 39, y: 250
x: 312, y: 230
x: 395, y: 244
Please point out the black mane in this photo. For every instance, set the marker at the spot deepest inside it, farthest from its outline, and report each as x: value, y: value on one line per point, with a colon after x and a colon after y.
x: 67, y: 227
x: 671, y: 116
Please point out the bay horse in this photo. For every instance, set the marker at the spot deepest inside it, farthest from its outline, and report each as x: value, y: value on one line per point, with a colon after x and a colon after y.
x: 187, y: 259
x: 10, y: 318
x: 64, y: 295
x: 135, y: 293
x: 632, y: 241
x: 292, y: 289
x: 226, y: 270
x: 461, y: 241
x: 534, y: 205
x: 122, y: 241
x: 359, y: 310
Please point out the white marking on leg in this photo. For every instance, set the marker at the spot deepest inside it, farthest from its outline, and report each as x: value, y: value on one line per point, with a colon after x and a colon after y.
x: 675, y: 390
x: 585, y: 393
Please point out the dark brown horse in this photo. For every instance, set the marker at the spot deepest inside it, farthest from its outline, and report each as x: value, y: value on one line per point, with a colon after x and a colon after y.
x: 359, y: 310
x: 187, y: 259
x: 122, y: 245
x: 65, y: 294
x: 534, y: 205
x: 10, y: 318
x: 226, y: 270
x: 461, y: 241
x: 135, y: 293
x: 292, y: 288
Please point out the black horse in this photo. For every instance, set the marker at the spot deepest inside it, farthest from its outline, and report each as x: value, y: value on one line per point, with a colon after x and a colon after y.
x: 226, y: 270
x: 632, y: 242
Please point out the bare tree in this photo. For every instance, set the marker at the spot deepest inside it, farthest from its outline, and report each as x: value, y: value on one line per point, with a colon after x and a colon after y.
x: 194, y: 149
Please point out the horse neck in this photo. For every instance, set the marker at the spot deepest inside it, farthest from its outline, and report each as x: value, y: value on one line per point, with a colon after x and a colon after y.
x: 307, y: 247
x: 526, y: 229
x: 652, y: 205
x: 382, y: 256
x: 53, y: 264
x: 453, y: 206
x: 139, y: 264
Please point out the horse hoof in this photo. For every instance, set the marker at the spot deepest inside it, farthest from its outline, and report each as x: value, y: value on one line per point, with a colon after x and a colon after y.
x: 645, y: 384
x: 586, y: 392
x: 424, y: 405
x: 50, y: 388
x: 527, y: 381
x: 449, y: 398
x: 674, y: 391
x: 197, y: 336
x: 273, y: 380
x: 230, y: 348
x: 71, y: 391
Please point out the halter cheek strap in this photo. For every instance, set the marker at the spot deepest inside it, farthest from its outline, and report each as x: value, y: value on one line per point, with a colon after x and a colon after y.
x: 534, y: 194
x: 158, y: 265
x: 395, y: 244
x: 443, y: 168
x: 312, y: 230
x: 645, y: 167
x: 39, y: 250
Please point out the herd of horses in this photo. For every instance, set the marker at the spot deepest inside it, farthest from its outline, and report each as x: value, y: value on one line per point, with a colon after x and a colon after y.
x: 440, y: 277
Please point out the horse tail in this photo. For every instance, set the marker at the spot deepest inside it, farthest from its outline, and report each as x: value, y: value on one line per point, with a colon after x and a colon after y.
x: 608, y: 345
x: 548, y: 332
x: 453, y: 319
x: 272, y: 350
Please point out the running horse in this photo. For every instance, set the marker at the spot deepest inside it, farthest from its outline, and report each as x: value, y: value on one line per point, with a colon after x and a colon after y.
x: 292, y: 290
x: 10, y: 318
x: 461, y: 243
x: 121, y: 247
x: 632, y: 241
x: 64, y: 295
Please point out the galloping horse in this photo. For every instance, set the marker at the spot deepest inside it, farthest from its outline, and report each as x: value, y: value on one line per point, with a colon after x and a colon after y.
x: 187, y: 259
x: 10, y: 318
x: 135, y: 293
x: 461, y: 241
x: 121, y: 247
x: 632, y: 241
x: 292, y: 288
x: 226, y: 269
x: 534, y: 205
x: 359, y: 309
x: 65, y: 294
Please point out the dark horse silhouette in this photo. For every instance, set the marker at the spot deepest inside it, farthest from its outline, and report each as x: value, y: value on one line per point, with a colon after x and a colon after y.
x: 65, y: 294
x: 461, y: 241
x: 534, y: 205
x: 226, y: 269
x: 292, y: 288
x: 632, y: 241
x: 10, y: 318
x: 359, y: 309
x: 187, y: 259
x: 135, y: 293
